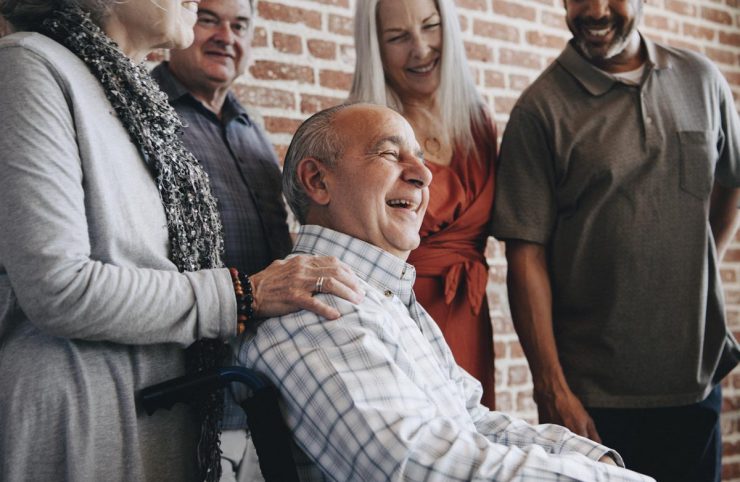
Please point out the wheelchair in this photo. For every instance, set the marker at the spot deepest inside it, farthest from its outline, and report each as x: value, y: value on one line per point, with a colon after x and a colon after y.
x: 270, y: 434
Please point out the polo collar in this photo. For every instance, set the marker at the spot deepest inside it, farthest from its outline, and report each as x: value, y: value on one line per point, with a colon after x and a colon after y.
x: 598, y: 82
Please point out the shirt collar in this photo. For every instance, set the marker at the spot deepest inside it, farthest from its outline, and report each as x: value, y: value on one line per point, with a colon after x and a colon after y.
x: 598, y: 82
x: 375, y: 266
x: 175, y: 91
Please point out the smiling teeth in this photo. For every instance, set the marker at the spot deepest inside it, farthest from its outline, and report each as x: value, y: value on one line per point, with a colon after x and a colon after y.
x: 423, y: 70
x: 400, y: 203
x: 599, y: 33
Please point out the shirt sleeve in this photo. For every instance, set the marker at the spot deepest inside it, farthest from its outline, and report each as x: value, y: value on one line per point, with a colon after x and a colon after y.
x: 359, y: 409
x: 727, y: 171
x: 45, y: 247
x: 525, y: 206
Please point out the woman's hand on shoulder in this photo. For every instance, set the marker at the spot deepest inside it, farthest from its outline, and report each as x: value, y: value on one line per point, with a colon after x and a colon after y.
x: 289, y: 285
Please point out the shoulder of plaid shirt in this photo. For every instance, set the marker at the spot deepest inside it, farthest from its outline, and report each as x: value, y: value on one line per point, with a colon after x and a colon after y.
x: 376, y: 394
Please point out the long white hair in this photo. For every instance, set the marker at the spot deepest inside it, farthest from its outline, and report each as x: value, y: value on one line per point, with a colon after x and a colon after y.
x: 461, y: 105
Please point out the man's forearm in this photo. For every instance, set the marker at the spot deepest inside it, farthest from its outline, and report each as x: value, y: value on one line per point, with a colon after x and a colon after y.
x: 530, y: 299
x: 723, y: 216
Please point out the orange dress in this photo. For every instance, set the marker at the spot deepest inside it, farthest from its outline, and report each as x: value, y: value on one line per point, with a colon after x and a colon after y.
x: 451, y: 268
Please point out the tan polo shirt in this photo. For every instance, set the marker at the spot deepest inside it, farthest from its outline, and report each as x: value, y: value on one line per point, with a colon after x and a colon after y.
x: 615, y: 180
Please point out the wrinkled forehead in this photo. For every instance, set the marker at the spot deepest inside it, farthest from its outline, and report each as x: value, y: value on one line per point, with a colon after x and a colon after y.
x: 365, y: 125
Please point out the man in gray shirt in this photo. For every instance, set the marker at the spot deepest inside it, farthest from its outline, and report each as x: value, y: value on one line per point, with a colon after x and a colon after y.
x: 616, y: 197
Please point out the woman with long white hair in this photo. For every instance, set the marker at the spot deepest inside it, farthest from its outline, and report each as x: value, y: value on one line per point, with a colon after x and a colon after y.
x: 411, y: 57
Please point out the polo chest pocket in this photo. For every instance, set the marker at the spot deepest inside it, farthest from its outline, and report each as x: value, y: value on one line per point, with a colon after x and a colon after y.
x: 698, y: 157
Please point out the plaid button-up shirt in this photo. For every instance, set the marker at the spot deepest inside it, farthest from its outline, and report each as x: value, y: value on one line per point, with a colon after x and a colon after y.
x: 377, y: 395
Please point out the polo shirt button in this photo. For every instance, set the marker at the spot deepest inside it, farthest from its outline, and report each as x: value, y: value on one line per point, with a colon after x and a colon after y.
x: 388, y: 293
x: 649, y: 120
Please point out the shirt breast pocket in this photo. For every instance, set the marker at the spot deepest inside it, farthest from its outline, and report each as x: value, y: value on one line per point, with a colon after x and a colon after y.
x: 698, y: 157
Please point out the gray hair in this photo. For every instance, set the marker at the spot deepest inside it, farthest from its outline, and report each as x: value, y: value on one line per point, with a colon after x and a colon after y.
x: 314, y: 138
x: 30, y: 14
x: 462, y: 105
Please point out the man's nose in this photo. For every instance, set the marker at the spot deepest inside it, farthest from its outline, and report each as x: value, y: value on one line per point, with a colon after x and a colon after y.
x: 224, y: 33
x: 597, y: 8
x: 417, y: 173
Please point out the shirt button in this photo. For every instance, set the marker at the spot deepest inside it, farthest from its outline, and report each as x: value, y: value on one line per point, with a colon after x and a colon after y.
x: 388, y: 293
x: 648, y: 120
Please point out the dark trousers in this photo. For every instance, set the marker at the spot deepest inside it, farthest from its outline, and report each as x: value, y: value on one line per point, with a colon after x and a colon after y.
x: 674, y: 444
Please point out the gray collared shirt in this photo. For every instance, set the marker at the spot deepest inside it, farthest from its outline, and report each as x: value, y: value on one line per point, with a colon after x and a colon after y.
x: 615, y: 180
x: 245, y: 178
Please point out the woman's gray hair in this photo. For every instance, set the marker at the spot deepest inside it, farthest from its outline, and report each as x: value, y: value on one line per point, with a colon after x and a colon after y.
x: 28, y: 15
x: 315, y: 138
x: 462, y: 105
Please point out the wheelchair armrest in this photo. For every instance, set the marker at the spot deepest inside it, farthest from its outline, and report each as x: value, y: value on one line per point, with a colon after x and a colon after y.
x: 188, y: 387
x: 270, y: 435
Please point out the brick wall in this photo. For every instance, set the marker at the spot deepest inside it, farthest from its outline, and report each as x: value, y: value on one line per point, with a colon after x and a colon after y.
x: 303, y: 62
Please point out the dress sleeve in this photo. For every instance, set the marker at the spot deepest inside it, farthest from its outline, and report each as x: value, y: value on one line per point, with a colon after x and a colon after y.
x: 45, y: 250
x: 358, y: 414
x: 525, y: 206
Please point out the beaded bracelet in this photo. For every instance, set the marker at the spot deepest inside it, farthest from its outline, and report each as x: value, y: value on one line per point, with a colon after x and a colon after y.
x: 244, y: 299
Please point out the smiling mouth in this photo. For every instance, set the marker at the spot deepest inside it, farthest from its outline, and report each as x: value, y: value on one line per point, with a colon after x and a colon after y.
x: 598, y: 32
x: 424, y: 69
x: 403, y: 204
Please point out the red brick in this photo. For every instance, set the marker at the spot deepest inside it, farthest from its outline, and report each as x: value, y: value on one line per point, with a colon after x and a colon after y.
x: 728, y: 275
x: 502, y: 325
x: 525, y: 402
x: 268, y: 70
x: 284, y: 13
x: 310, y: 104
x: 722, y: 56
x: 335, y: 79
x: 716, y: 16
x: 463, y: 23
x: 519, y: 58
x: 518, y: 375
x: 698, y: 31
x: 472, y: 4
x: 287, y: 43
x: 505, y: 104
x: 336, y: 3
x: 264, y: 97
x: 519, y: 82
x: 259, y: 39
x: 281, y: 125
x: 731, y: 39
x: 476, y: 51
x: 495, y: 30
x: 662, y: 23
x: 504, y: 402
x: 546, y: 40
x: 681, y: 7
x: 555, y: 20
x: 341, y: 24
x: 514, y: 10
x: 322, y: 49
x: 494, y: 78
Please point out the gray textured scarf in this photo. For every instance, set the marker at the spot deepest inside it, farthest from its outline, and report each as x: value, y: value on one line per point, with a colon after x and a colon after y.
x: 193, y: 220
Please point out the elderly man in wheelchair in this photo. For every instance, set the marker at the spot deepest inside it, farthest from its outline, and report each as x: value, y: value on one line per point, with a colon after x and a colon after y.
x: 376, y: 393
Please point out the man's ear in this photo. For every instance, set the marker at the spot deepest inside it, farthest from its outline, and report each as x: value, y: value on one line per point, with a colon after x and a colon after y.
x: 312, y: 174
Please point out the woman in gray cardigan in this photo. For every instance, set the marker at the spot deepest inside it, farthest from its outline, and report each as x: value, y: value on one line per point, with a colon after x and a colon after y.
x: 110, y: 247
